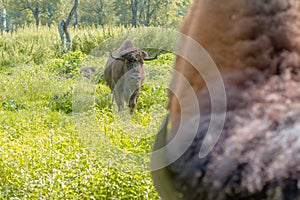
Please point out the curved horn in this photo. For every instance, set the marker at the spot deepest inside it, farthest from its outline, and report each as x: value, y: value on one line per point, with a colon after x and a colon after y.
x: 151, y: 58
x: 116, y: 57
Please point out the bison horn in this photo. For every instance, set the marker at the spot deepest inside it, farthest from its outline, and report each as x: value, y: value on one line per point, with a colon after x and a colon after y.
x: 116, y: 57
x: 151, y: 58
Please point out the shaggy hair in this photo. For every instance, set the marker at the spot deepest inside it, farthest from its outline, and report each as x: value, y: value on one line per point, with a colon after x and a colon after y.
x: 256, y: 46
x: 125, y: 76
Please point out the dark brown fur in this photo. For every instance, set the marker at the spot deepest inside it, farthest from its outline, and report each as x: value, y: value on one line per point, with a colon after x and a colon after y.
x: 256, y: 46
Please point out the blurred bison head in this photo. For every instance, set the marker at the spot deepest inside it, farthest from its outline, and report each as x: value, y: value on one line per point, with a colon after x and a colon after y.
x: 256, y: 47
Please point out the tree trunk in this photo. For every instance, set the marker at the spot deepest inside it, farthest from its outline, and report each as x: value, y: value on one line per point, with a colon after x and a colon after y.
x: 10, y: 25
x: 148, y: 14
x: 167, y: 10
x: 36, y: 14
x: 73, y: 10
x: 142, y: 12
x: 154, y: 17
x: 99, y: 12
x: 75, y: 19
x: 134, y: 12
x: 4, y: 20
x: 151, y: 13
x: 100, y: 20
x: 63, y: 27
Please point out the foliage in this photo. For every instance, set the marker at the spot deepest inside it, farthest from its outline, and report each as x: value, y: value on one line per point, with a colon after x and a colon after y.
x: 151, y: 95
x: 68, y: 63
x: 103, y: 97
x: 61, y: 138
x: 98, y: 12
x: 151, y: 13
x: 31, y: 10
x: 61, y: 102
x: 11, y: 105
x: 89, y: 38
x: 26, y: 46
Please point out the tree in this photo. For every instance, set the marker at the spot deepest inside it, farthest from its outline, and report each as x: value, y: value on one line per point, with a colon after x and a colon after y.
x: 97, y: 12
x: 64, y: 24
x: 35, y: 7
x: 151, y: 12
x: 3, y: 19
x: 176, y: 10
x: 148, y: 12
x: 75, y: 24
x: 167, y: 13
x: 134, y: 10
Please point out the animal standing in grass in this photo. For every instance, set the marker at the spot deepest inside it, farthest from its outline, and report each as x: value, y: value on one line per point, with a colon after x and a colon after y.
x: 124, y: 74
x: 256, y: 47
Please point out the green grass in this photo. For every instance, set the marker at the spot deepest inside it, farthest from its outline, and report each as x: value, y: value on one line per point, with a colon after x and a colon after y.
x: 59, y: 136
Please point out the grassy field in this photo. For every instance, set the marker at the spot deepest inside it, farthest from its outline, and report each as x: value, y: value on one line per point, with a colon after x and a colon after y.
x: 60, y: 138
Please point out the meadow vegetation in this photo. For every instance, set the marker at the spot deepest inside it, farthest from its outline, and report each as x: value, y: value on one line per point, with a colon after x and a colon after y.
x: 60, y: 135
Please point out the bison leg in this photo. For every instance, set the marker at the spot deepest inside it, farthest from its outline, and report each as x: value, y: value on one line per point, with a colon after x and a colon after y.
x: 133, y: 100
x: 118, y: 97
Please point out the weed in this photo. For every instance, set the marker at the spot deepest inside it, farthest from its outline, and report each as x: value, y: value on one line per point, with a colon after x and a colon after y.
x: 61, y: 138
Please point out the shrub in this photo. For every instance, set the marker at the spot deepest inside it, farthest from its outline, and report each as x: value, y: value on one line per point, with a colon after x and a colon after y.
x: 151, y: 95
x: 11, y: 105
x: 61, y: 102
x: 103, y: 97
x: 68, y: 63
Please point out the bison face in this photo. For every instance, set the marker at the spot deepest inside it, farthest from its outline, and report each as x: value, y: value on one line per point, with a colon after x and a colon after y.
x: 134, y: 60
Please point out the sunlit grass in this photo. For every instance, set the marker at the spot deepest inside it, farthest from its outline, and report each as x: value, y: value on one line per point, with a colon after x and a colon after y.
x: 60, y: 137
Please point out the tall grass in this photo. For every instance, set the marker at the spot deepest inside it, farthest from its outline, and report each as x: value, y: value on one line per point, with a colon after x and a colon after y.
x: 60, y: 136
x: 31, y: 45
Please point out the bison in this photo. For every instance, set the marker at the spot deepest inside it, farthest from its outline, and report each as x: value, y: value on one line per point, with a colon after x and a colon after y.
x: 256, y: 46
x: 124, y: 73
